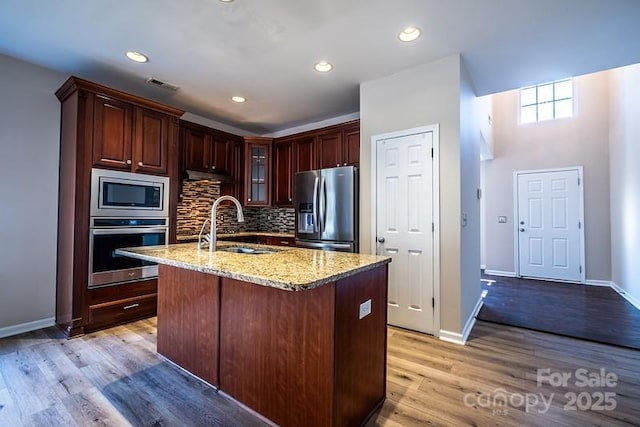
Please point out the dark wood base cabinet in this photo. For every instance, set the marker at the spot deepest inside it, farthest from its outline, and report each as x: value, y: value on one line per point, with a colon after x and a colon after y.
x: 298, y: 358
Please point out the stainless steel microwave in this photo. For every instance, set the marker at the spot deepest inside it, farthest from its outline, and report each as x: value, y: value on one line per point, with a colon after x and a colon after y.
x: 126, y: 194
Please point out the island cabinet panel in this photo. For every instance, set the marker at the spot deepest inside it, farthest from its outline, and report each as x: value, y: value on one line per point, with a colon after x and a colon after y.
x: 188, y: 325
x: 361, y: 346
x: 276, y: 351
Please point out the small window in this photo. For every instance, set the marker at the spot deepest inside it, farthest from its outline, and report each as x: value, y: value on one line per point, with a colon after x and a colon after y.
x: 546, y: 101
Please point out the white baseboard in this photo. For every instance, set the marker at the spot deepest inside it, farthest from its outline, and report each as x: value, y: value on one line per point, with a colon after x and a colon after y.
x: 452, y: 337
x: 8, y: 331
x: 606, y: 283
x: 456, y: 338
x: 626, y: 295
x: 500, y: 273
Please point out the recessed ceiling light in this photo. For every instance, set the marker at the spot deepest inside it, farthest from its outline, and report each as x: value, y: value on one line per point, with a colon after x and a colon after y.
x: 136, y: 56
x: 323, y: 67
x: 409, y: 34
x: 226, y: 1
x: 237, y: 98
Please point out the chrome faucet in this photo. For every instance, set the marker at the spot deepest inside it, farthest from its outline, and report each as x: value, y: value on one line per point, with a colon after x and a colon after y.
x: 212, y: 233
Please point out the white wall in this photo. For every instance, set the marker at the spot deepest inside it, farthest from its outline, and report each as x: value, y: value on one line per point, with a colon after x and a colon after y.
x: 470, y: 140
x: 578, y: 141
x: 424, y: 95
x: 625, y: 179
x: 29, y: 151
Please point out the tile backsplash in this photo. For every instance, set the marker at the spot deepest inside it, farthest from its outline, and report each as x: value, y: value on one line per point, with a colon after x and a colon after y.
x: 195, y: 207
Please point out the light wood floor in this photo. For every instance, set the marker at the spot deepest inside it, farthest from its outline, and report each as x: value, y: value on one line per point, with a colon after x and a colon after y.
x: 115, y: 378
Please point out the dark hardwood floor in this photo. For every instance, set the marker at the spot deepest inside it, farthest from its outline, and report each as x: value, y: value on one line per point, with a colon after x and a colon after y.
x: 594, y: 313
x: 115, y: 378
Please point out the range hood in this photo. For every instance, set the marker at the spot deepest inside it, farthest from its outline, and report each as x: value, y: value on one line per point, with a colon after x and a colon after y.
x: 214, y: 178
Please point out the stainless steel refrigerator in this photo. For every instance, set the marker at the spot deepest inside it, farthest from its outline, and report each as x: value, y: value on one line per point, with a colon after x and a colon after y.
x: 326, y: 203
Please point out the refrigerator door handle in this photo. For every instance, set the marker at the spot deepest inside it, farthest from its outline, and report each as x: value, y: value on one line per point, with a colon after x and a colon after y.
x: 315, y: 205
x: 323, y: 204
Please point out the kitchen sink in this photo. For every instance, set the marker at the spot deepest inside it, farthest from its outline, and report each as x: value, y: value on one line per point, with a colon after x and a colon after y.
x: 246, y: 250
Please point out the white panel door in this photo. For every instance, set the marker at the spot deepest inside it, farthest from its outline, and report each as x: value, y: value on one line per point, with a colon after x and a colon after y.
x: 404, y: 191
x: 549, y: 225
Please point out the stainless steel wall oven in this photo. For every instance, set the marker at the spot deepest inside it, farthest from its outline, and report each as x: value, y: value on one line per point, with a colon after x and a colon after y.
x: 127, y: 209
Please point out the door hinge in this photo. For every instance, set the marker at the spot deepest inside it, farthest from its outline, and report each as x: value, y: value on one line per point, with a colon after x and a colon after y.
x: 579, y: 225
x: 578, y: 182
x: 432, y: 153
x: 433, y: 227
x: 580, y: 269
x: 433, y: 303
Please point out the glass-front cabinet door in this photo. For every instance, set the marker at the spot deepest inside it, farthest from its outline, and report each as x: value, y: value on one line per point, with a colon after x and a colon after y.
x: 257, y: 187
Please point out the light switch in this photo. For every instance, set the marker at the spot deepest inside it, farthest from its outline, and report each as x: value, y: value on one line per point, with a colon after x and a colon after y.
x: 365, y: 309
x: 502, y: 219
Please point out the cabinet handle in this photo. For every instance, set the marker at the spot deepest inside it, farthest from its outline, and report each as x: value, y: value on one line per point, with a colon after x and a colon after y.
x: 140, y: 164
x: 284, y: 242
x: 249, y: 199
x: 338, y: 165
x: 344, y: 164
x: 213, y: 168
x: 129, y: 161
x: 127, y: 307
x: 289, y: 198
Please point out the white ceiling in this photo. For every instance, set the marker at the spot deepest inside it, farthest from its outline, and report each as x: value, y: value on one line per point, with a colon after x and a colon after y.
x: 265, y: 49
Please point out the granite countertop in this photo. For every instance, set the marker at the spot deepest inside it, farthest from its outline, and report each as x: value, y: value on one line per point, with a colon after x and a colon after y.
x: 292, y: 269
x: 222, y: 236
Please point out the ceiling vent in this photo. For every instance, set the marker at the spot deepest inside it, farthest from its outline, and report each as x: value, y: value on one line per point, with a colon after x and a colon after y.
x: 162, y: 84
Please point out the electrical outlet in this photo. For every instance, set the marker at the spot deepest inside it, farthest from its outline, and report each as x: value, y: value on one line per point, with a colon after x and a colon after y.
x: 365, y: 309
x: 502, y: 219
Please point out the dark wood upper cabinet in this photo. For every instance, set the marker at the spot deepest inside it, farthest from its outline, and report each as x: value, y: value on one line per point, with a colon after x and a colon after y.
x: 112, y: 133
x: 330, y: 149
x: 152, y: 134
x: 304, y: 152
x: 129, y: 137
x: 257, y: 171
x: 351, y: 146
x: 221, y: 154
x: 197, y: 149
x: 235, y: 188
x: 339, y: 147
x: 282, y: 173
x: 206, y: 149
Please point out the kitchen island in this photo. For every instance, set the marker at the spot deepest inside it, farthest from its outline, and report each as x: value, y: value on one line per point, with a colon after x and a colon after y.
x: 297, y: 335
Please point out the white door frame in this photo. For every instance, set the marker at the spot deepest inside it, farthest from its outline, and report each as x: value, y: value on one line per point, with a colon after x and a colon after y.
x: 516, y: 217
x: 435, y: 129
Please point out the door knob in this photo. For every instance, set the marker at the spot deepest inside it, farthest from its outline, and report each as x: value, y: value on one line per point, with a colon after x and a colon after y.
x: 522, y: 229
x: 380, y: 239
x: 521, y: 222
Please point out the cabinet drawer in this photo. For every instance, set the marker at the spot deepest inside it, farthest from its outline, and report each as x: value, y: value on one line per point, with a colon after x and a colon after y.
x: 282, y: 241
x: 121, y: 311
x: 277, y: 241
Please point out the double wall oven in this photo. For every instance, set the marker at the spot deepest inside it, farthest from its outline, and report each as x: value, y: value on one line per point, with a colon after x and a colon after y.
x: 127, y: 209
